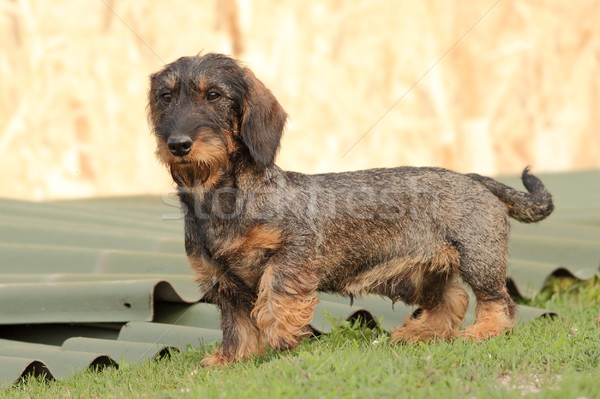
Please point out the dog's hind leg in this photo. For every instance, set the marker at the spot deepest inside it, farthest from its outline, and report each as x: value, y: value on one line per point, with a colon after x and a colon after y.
x: 439, y: 321
x: 493, y: 317
x: 443, y: 301
x: 484, y: 268
x: 495, y: 312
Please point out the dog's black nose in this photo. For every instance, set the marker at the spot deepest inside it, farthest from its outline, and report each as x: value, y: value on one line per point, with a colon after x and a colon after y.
x: 179, y: 145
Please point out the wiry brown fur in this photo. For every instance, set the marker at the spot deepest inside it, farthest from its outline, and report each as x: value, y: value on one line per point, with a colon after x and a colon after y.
x: 438, y: 321
x: 493, y: 318
x: 262, y: 241
x: 283, y: 310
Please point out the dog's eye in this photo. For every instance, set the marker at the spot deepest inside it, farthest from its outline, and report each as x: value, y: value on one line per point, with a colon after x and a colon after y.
x: 166, y: 97
x: 213, y: 96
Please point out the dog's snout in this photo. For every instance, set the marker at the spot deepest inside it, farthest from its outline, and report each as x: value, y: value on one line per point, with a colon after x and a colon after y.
x: 179, y: 145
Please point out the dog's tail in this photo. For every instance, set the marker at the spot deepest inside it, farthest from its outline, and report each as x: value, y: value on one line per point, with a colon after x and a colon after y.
x: 529, y: 207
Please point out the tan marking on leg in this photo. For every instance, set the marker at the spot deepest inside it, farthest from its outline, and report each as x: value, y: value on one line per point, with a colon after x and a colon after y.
x: 441, y: 322
x: 249, y: 344
x: 215, y: 359
x: 283, y: 315
x: 492, y: 319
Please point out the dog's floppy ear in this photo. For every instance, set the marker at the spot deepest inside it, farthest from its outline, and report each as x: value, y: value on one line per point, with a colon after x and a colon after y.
x: 263, y: 120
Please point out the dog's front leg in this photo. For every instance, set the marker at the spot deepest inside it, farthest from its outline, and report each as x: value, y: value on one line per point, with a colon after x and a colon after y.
x: 285, y: 306
x: 241, y: 337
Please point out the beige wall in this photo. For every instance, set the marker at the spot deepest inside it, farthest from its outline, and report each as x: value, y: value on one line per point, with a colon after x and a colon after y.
x: 486, y: 86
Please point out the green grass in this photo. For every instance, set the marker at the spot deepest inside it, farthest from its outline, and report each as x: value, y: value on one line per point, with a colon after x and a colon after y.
x: 547, y: 358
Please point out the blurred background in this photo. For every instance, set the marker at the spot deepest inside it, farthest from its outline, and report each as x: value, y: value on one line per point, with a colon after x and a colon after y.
x: 485, y: 86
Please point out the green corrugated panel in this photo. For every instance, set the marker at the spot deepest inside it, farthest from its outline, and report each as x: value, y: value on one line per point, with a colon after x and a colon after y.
x: 183, y: 281
x: 27, y: 258
x: 65, y: 220
x: 157, y: 218
x: 204, y: 315
x: 180, y: 337
x: 61, y: 363
x: 13, y: 368
x: 57, y: 334
x: 19, y: 232
x: 581, y: 257
x: 133, y: 203
x: 119, y: 350
x: 90, y: 301
x: 561, y: 230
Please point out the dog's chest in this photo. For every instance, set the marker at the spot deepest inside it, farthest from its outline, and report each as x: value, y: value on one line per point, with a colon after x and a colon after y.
x: 243, y: 253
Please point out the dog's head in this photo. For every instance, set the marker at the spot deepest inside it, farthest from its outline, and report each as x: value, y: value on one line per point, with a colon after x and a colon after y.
x: 209, y: 110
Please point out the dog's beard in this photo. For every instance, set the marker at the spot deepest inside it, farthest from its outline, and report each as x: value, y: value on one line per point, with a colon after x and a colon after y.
x: 192, y: 174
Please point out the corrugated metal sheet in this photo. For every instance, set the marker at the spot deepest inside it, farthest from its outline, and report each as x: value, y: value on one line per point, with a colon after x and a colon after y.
x: 93, y: 282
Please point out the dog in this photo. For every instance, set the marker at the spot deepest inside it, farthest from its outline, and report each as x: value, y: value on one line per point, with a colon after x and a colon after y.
x: 262, y: 241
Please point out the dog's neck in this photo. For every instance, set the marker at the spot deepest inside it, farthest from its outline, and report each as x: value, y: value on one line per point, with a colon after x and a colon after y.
x: 223, y: 199
x: 217, y: 192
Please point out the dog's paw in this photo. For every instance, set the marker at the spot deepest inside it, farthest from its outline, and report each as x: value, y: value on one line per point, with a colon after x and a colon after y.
x: 217, y: 359
x: 400, y: 336
x: 281, y: 339
x: 422, y: 327
x: 479, y: 332
x: 406, y: 335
